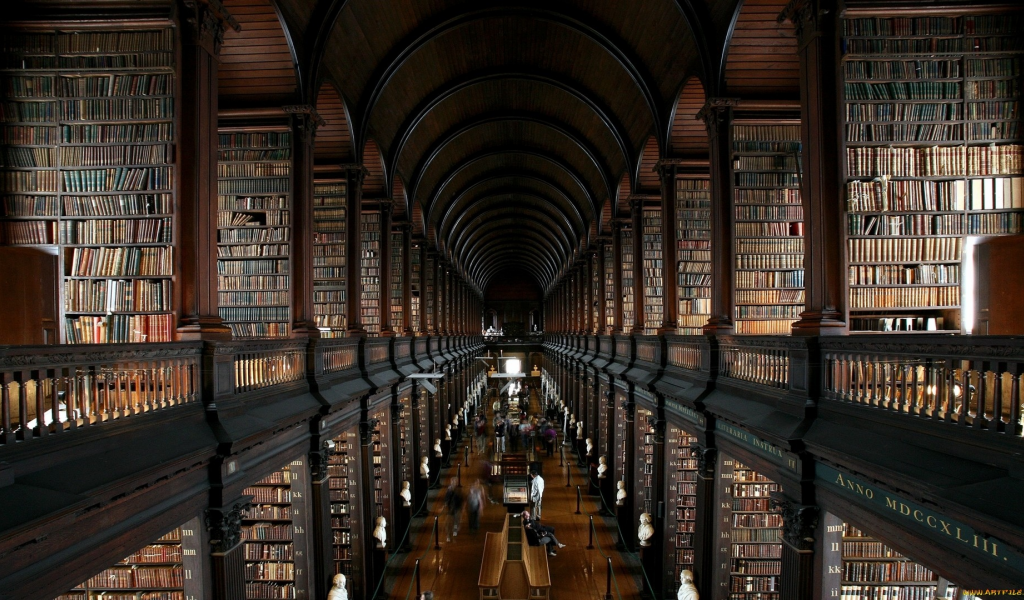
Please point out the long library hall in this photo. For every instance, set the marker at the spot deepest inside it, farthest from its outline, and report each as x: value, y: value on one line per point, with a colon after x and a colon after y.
x: 512, y: 300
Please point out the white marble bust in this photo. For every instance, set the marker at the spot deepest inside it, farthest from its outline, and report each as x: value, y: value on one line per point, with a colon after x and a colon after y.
x: 425, y: 467
x: 437, y: 448
x: 646, y: 531
x: 381, y: 532
x: 620, y: 496
x: 602, y: 467
x: 590, y: 447
x: 406, y: 494
x: 338, y: 590
x: 448, y: 432
x: 687, y: 591
x: 579, y: 431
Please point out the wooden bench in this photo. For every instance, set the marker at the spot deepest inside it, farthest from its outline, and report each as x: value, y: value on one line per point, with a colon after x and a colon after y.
x: 511, y: 569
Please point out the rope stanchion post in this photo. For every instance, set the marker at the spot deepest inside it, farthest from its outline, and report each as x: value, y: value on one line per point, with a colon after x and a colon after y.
x: 579, y: 498
x: 561, y: 457
x: 568, y: 476
x: 458, y: 476
x: 437, y: 539
x: 590, y: 534
x: 417, y: 569
x: 465, y: 452
x: 608, y: 585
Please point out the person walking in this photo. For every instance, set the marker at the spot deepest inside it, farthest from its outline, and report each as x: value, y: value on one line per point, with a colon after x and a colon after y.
x: 453, y: 501
x: 481, y: 434
x: 550, y: 435
x: 475, y: 502
x: 536, y: 492
x: 512, y: 432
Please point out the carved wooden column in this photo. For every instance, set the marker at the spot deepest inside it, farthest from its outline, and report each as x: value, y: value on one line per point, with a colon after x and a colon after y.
x: 801, y: 552
x: 636, y: 214
x: 704, y: 556
x: 825, y: 305
x: 420, y: 247
x: 589, y: 282
x: 669, y: 264
x: 227, y: 551
x: 387, y: 208
x: 323, y: 557
x: 717, y: 116
x: 430, y: 291
x: 651, y: 556
x: 616, y: 327
x: 203, y: 25
x: 305, y: 121
x: 406, y: 230
x: 353, y: 249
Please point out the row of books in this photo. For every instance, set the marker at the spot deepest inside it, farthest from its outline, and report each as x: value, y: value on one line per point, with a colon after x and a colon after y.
x: 909, y: 133
x: 887, y: 571
x: 28, y: 157
x: 269, y: 552
x: 901, y: 225
x: 766, y: 261
x: 122, y: 261
x: 258, y: 314
x: 262, y: 590
x: 895, y: 26
x: 253, y: 235
x: 117, y: 110
x: 935, y: 161
x: 775, y: 179
x: 766, y: 327
x: 896, y: 323
x: 903, y: 275
x: 779, y: 162
x: 253, y: 169
x: 119, y: 329
x: 769, y: 213
x: 113, y: 84
x: 902, y: 112
x: 904, y: 69
x: 252, y: 203
x: 769, y: 279
x: 254, y: 298
x: 756, y: 567
x: 232, y: 141
x: 755, y: 584
x: 270, y: 571
x: 117, y: 231
x: 946, y: 296
x: 136, y: 577
x: 903, y: 90
x: 116, y: 295
x: 265, y: 185
x: 86, y: 62
x: 252, y: 267
x: 770, y: 297
x: 253, y: 250
x: 119, y: 205
x: 769, y: 312
x: 768, y: 229
x: 253, y: 154
x: 946, y: 249
x: 116, y: 134
x: 156, y: 553
x: 742, y: 533
x: 1007, y: 222
x: 253, y: 282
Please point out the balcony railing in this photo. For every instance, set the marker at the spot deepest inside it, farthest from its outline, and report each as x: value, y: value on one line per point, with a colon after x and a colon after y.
x: 48, y: 390
x: 756, y: 360
x: 266, y: 364
x: 685, y: 353
x: 972, y: 382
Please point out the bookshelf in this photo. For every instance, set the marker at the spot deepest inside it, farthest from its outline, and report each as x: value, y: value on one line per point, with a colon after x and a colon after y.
x: 645, y: 463
x: 369, y: 271
x: 167, y: 569
x: 395, y: 295
x: 88, y: 168
x: 768, y: 227
x: 653, y: 277
x: 595, y: 293
x: 871, y: 570
x: 343, y: 477
x: 754, y: 542
x: 628, y: 307
x: 609, y: 286
x: 253, y: 231
x: 430, y: 287
x: 329, y: 257
x: 415, y: 289
x: 681, y: 469
x: 273, y: 529
x: 380, y: 455
x: 693, y: 253
x: 404, y: 444
x: 931, y: 111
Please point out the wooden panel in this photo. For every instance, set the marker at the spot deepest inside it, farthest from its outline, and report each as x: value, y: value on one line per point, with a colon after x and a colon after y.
x: 373, y: 185
x: 689, y: 136
x: 255, y: 63
x: 622, y: 199
x: 762, y: 60
x: 648, y: 180
x: 334, y: 139
x: 398, y: 195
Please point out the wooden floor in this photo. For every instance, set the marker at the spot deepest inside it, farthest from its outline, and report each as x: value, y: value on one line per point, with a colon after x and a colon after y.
x: 451, y: 572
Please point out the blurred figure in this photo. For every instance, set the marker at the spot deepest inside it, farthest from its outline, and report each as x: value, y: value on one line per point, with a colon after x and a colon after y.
x: 475, y: 502
x: 453, y: 501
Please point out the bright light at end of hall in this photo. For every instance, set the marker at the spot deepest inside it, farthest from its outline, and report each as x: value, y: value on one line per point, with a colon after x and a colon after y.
x: 513, y: 366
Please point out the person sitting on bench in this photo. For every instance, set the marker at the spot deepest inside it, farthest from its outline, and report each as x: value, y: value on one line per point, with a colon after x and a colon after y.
x: 537, y: 534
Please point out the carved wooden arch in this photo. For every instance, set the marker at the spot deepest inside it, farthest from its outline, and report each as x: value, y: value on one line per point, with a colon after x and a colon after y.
x: 529, y: 204
x: 489, y: 253
x: 464, y: 249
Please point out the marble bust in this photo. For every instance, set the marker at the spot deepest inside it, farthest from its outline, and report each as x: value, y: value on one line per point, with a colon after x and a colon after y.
x: 406, y: 494
x: 646, y: 530
x: 425, y: 467
x: 620, y: 495
x: 602, y: 467
x: 338, y: 590
x: 437, y: 448
x: 381, y: 532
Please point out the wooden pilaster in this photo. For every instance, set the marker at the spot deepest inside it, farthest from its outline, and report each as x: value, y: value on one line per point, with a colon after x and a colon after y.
x: 717, y: 116
x: 636, y: 215
x: 669, y: 271
x: 616, y: 326
x: 353, y: 228
x: 305, y: 121
x: 386, y: 211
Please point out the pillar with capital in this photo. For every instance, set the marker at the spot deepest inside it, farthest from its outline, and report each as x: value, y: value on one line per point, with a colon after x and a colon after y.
x: 354, y: 175
x: 801, y: 547
x: 616, y: 326
x: 386, y: 207
x: 636, y: 215
x: 670, y: 270
x: 304, y: 123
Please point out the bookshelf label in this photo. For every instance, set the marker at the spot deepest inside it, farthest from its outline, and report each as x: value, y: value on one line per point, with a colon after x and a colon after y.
x: 760, y: 446
x: 685, y: 412
x: 923, y: 519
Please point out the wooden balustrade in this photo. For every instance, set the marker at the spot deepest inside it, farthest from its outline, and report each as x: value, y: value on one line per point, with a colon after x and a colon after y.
x: 755, y: 359
x: 685, y: 354
x: 47, y: 390
x: 266, y: 364
x: 646, y: 350
x: 338, y: 355
x: 972, y: 382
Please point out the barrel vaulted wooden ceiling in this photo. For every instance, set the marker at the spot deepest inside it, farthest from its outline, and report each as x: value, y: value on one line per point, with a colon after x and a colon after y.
x: 509, y: 132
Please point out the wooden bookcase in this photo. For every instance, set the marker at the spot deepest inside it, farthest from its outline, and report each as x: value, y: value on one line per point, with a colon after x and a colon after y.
x: 627, y: 291
x: 88, y: 159
x: 693, y: 253
x: 404, y: 451
x: 753, y: 544
x: 865, y: 568
x: 369, y: 271
x: 644, y: 465
x: 653, y: 276
x: 933, y: 156
x: 416, y: 290
x: 768, y: 226
x: 274, y: 532
x: 595, y: 294
x: 429, y: 275
x: 343, y: 473
x: 396, y: 298
x: 254, y: 231
x: 329, y: 257
x: 168, y: 569
x: 380, y: 458
x: 681, y: 521
x: 609, y: 287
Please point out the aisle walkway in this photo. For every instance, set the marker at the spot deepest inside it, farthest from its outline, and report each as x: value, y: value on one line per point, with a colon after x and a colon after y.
x: 451, y: 572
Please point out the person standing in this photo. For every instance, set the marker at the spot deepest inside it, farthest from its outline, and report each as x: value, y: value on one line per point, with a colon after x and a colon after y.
x: 500, y: 425
x: 481, y: 434
x: 512, y: 432
x: 536, y: 492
